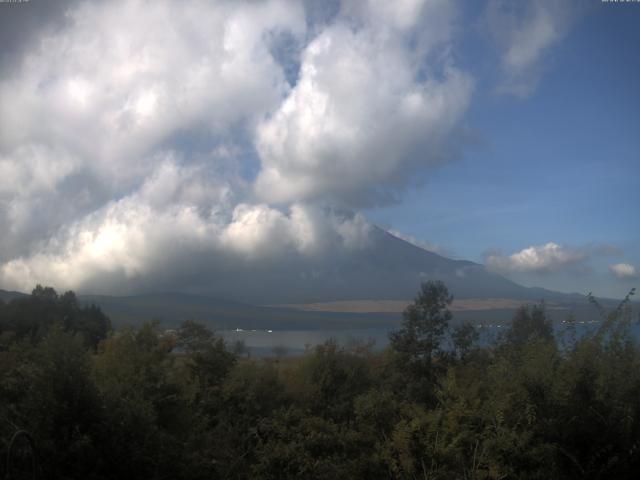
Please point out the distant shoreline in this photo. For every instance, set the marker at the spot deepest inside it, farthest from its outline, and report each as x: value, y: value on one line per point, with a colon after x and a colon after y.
x: 398, y: 306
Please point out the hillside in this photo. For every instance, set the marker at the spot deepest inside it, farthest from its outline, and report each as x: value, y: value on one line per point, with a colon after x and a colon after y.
x: 388, y: 269
x: 7, y: 296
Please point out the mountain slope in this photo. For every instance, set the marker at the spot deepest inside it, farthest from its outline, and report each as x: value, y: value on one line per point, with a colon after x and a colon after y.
x: 389, y: 269
x: 7, y: 296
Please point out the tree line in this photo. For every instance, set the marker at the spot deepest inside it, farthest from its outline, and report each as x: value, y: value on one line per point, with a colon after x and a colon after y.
x: 141, y: 402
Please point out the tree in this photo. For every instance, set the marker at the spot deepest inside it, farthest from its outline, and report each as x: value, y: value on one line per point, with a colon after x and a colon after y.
x: 32, y: 318
x: 331, y: 379
x: 240, y: 349
x: 208, y: 359
x: 425, y: 324
x: 417, y: 343
x: 48, y: 392
x: 148, y: 418
x: 464, y: 336
x: 528, y: 323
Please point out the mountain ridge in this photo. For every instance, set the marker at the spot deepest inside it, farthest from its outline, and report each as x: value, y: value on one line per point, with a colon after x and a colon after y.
x: 390, y: 270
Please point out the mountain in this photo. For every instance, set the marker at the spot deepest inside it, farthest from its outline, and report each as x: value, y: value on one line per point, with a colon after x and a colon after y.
x: 7, y: 296
x: 389, y: 268
x: 323, y: 293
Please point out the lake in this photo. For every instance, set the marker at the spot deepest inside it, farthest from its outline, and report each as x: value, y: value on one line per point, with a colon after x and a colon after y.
x: 263, y: 343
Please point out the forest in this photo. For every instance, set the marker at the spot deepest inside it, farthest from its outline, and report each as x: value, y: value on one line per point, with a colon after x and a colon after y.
x: 80, y: 400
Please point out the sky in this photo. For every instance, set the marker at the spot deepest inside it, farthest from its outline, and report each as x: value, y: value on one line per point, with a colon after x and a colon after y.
x: 141, y: 138
x: 559, y: 164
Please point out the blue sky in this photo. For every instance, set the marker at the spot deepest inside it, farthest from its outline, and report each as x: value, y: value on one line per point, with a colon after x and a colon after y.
x: 561, y: 164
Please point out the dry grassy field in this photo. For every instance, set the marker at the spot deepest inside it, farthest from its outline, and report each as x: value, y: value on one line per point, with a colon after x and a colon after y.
x: 395, y: 306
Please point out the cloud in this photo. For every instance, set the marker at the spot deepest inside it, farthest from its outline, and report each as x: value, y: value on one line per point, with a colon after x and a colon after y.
x: 93, y: 107
x: 148, y: 234
x: 129, y: 75
x: 539, y: 259
x: 146, y: 142
x: 431, y: 247
x: 623, y: 270
x: 525, y: 33
x: 362, y: 114
x: 21, y: 27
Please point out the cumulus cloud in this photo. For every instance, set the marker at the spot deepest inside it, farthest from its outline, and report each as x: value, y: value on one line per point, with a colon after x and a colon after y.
x: 130, y: 74
x: 143, y: 140
x: 93, y: 104
x: 525, y: 33
x: 623, y: 270
x: 362, y: 113
x: 545, y: 258
x: 129, y: 241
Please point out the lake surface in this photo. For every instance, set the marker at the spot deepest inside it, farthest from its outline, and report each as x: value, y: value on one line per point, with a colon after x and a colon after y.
x: 295, y: 342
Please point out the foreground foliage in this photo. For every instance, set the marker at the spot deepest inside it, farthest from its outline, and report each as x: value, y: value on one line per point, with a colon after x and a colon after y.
x: 142, y: 403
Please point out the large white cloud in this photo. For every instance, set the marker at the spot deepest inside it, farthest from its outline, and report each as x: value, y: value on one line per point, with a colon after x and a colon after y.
x: 127, y: 74
x: 537, y: 258
x: 143, y: 140
x: 85, y: 114
x: 159, y: 231
x: 363, y: 112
